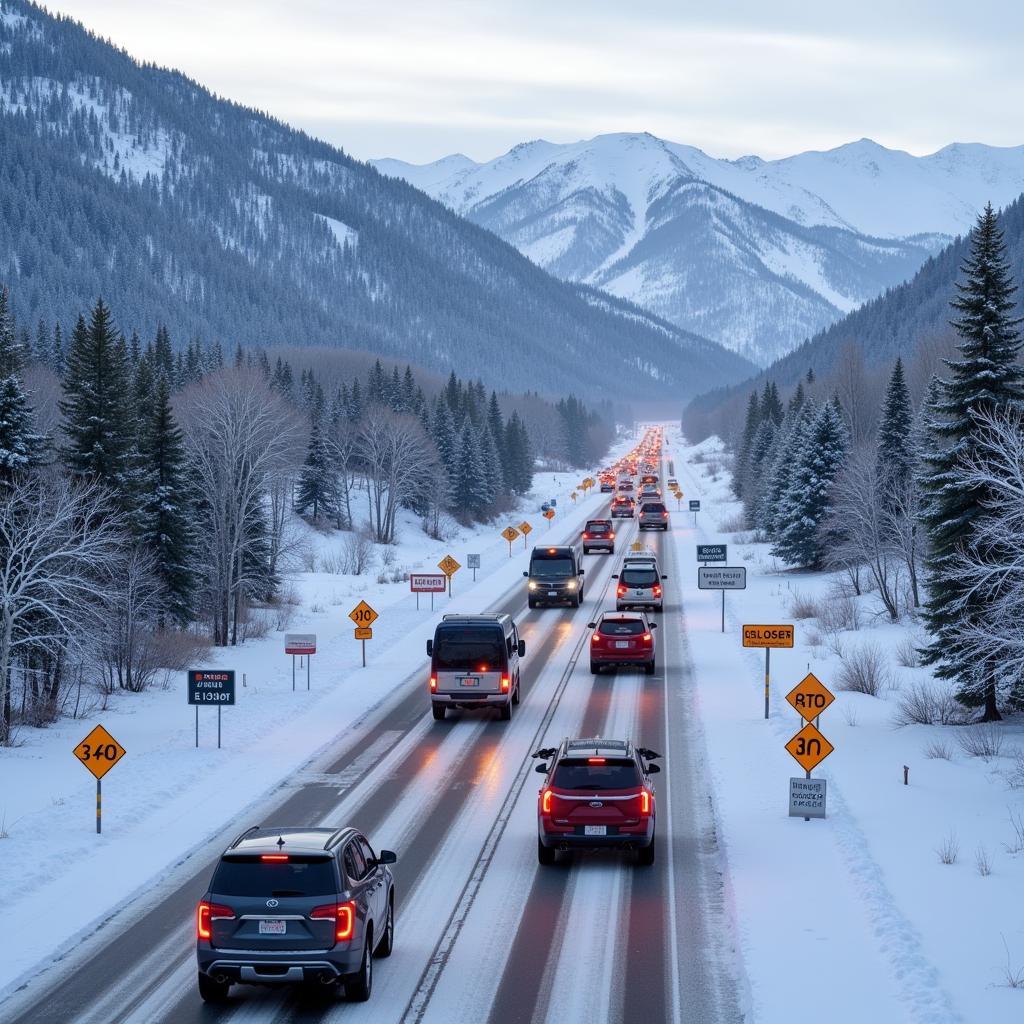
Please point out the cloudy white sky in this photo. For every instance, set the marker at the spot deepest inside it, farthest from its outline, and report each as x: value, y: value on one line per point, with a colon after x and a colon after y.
x: 417, y: 80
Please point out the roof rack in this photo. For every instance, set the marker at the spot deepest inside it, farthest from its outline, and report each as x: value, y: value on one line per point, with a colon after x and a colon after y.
x: 242, y: 835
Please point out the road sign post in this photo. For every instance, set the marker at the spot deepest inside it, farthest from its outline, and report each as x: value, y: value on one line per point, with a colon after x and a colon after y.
x: 712, y: 553
x: 549, y: 514
x: 525, y: 528
x: 509, y: 533
x: 99, y: 752
x: 473, y: 562
x: 449, y: 567
x: 809, y: 698
x: 207, y: 688
x: 695, y: 508
x: 767, y: 637
x: 428, y: 583
x: 364, y: 617
x: 723, y: 579
x: 303, y: 645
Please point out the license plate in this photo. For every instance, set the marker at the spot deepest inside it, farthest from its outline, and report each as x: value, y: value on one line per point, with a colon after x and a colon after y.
x: 273, y: 927
x: 552, y: 593
x: 469, y: 681
x: 595, y: 830
x: 622, y: 644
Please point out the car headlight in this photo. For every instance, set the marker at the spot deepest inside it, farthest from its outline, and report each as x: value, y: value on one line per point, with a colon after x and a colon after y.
x: 532, y: 585
x: 571, y: 585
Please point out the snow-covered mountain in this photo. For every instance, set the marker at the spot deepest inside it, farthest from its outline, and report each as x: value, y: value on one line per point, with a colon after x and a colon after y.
x: 753, y: 253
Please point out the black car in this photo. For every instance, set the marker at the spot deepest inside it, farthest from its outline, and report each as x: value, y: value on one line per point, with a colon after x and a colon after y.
x: 555, y: 576
x: 288, y: 905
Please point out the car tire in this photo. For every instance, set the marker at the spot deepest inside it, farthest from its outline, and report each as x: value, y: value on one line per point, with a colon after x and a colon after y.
x: 387, y: 940
x: 595, y: 669
x: 359, y: 986
x: 515, y: 693
x: 438, y: 710
x: 575, y: 602
x: 505, y: 712
x: 546, y: 855
x: 645, y: 855
x: 211, y: 991
x: 530, y: 603
x: 649, y: 668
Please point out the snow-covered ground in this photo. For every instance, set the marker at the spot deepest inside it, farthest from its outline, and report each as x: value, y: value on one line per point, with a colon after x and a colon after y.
x: 854, y: 918
x: 166, y: 799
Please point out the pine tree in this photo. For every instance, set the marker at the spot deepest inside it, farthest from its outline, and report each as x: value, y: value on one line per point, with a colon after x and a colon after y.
x: 493, y: 476
x: 817, y: 463
x: 164, y: 353
x: 894, y: 459
x: 355, y: 402
x: 442, y: 430
x: 316, y: 484
x: 788, y: 443
x: 759, y: 464
x: 750, y: 425
x: 771, y: 404
x: 520, y: 455
x: 468, y: 481
x: 57, y: 355
x: 496, y: 424
x: 163, y: 518
x: 21, y: 447
x: 797, y: 400
x: 986, y: 377
x: 97, y: 419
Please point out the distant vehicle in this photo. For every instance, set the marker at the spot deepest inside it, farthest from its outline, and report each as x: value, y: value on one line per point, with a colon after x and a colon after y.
x: 649, y: 480
x: 312, y: 905
x: 596, y: 793
x: 623, y: 507
x: 639, y: 586
x: 555, y: 576
x: 474, y: 663
x: 673, y: 483
x: 598, y: 535
x: 649, y: 492
x: 607, y: 486
x: 653, y: 516
x: 622, y: 638
x: 625, y: 486
x: 545, y: 506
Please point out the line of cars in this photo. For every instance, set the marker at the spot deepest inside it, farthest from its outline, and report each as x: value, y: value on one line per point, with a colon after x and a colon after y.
x: 316, y: 906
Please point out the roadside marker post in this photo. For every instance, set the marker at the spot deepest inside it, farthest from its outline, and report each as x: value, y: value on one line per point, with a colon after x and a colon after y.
x: 429, y: 583
x: 206, y: 687
x: 99, y: 752
x: 509, y: 533
x: 303, y: 645
x: 722, y: 578
x: 809, y: 698
x: 473, y: 562
x: 525, y: 528
x: 549, y: 515
x: 695, y: 508
x: 449, y: 567
x: 364, y: 617
x: 768, y: 637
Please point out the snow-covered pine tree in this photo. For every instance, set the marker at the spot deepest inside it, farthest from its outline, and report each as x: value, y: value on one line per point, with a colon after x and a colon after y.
x: 493, y: 477
x: 57, y: 355
x: 21, y: 447
x: 894, y: 455
x: 986, y: 377
x: 496, y: 423
x: 750, y: 425
x: 442, y: 431
x: 520, y: 454
x: 821, y: 456
x: 316, y: 489
x: 97, y: 419
x: 797, y: 399
x: 759, y: 465
x: 164, y: 523
x: 771, y: 403
x: 355, y: 402
x: 468, y: 482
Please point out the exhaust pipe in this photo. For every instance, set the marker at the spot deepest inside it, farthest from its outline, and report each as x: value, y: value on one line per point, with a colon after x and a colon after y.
x: 326, y: 978
x: 221, y: 979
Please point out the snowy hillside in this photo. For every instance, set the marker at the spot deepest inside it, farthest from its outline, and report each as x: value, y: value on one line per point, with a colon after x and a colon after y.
x: 755, y: 254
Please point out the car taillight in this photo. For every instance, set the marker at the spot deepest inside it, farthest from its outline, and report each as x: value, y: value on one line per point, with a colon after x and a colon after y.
x: 595, y: 638
x: 645, y: 801
x: 433, y: 683
x: 274, y: 857
x: 664, y: 515
x: 209, y: 912
x: 344, y: 916
x: 504, y: 684
x: 611, y: 536
x: 647, y: 638
x: 657, y: 590
x: 545, y: 802
x: 620, y: 591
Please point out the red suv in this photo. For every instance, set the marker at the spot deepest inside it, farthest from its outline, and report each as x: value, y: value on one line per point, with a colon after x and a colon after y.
x: 622, y: 507
x: 622, y: 638
x: 596, y: 793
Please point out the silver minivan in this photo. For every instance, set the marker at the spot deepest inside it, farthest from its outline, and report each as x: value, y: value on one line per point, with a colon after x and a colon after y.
x: 639, y: 585
x: 474, y: 663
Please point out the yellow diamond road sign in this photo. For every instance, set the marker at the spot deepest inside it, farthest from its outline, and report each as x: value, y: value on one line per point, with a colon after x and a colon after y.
x: 448, y: 565
x: 99, y: 751
x: 363, y: 614
x: 809, y: 747
x: 510, y: 533
x: 810, y: 697
x: 525, y: 528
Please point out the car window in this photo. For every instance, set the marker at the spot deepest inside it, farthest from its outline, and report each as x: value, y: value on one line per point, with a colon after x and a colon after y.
x: 368, y: 855
x: 621, y: 627
x: 551, y: 567
x: 653, y: 506
x: 597, y: 527
x: 467, y: 649
x: 253, y: 876
x: 355, y: 863
x: 638, y: 577
x: 596, y: 773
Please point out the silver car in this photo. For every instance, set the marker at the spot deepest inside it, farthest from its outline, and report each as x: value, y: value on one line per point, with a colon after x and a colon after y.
x: 639, y: 585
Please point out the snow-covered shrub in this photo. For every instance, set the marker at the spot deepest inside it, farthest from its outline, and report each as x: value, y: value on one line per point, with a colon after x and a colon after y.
x: 949, y: 849
x: 865, y: 670
x: 733, y: 524
x: 1015, y: 776
x: 984, y: 740
x: 838, y: 612
x: 357, y: 552
x: 982, y: 862
x: 1016, y: 843
x: 907, y: 652
x: 803, y: 607
x: 938, y: 750
x: 927, y: 703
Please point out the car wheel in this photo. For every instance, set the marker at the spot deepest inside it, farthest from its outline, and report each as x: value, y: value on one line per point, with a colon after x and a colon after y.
x: 546, y: 855
x: 211, y: 991
x: 649, y: 668
x: 595, y: 669
x: 575, y: 602
x: 359, y: 986
x: 387, y: 941
x: 645, y: 855
x: 438, y: 710
x: 505, y: 712
x: 530, y: 603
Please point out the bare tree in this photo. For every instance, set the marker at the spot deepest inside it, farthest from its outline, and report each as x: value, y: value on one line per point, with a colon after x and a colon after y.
x: 859, y: 393
x: 240, y: 436
x: 341, y: 444
x: 59, y: 545
x: 399, y: 460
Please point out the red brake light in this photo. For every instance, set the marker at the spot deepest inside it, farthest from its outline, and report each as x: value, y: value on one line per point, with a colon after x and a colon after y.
x: 344, y: 914
x: 620, y: 592
x: 611, y: 536
x: 657, y: 590
x: 551, y: 551
x: 645, y: 801
x: 545, y: 802
x: 433, y: 683
x: 664, y: 515
x: 595, y: 760
x: 586, y: 536
x: 274, y: 856
x: 504, y: 684
x: 208, y: 912
x: 647, y: 638
x: 595, y: 637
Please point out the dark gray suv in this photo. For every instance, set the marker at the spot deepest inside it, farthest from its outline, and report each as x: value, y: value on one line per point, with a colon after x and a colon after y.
x: 296, y: 905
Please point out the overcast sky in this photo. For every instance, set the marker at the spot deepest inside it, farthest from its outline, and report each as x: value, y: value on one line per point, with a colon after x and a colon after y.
x: 417, y: 80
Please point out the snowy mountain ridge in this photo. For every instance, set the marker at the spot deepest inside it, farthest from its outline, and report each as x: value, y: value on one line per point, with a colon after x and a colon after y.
x: 756, y: 254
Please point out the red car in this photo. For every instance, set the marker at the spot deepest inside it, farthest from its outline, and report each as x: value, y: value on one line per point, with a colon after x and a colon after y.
x: 623, y: 507
x: 622, y: 638
x: 596, y: 793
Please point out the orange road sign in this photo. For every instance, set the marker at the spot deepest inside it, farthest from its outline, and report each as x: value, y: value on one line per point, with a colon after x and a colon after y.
x: 525, y: 528
x: 363, y: 614
x: 809, y: 748
x: 510, y: 533
x: 810, y: 697
x: 768, y: 636
x: 449, y: 566
x: 99, y: 751
x: 364, y: 633
x: 549, y: 514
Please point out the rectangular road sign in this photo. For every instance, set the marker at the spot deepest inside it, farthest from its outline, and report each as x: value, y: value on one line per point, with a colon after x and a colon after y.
x: 768, y: 636
x: 809, y: 748
x: 213, y: 688
x: 810, y: 697
x: 807, y: 798
x: 363, y: 614
x: 694, y: 505
x: 99, y: 752
x: 723, y: 578
x: 472, y: 561
x: 711, y: 552
x: 427, y: 582
x: 300, y: 643
x: 364, y: 633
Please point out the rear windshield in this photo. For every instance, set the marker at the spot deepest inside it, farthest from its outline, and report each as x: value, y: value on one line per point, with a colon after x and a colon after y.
x: 638, y: 577
x: 597, y: 527
x: 579, y: 773
x: 551, y: 567
x: 469, y: 650
x: 653, y: 506
x: 621, y: 627
x: 297, y: 876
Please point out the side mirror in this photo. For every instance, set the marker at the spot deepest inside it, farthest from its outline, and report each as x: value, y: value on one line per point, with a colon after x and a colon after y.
x: 591, y: 625
x: 653, y: 769
x: 525, y: 573
x: 430, y: 648
x: 390, y: 857
x: 615, y: 575
x: 663, y: 576
x: 582, y: 571
x: 542, y: 768
x: 652, y: 625
x: 522, y: 648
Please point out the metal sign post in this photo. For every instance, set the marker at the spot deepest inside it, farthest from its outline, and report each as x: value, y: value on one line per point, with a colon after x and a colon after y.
x: 99, y: 752
x: 303, y: 645
x: 208, y: 688
x: 363, y: 616
x: 767, y: 637
x: 509, y: 533
x: 427, y: 583
x: 473, y: 562
x: 449, y: 566
x: 724, y: 578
